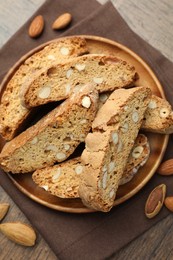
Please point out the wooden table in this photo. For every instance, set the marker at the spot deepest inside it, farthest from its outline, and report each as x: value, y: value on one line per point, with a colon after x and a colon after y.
x: 153, y: 21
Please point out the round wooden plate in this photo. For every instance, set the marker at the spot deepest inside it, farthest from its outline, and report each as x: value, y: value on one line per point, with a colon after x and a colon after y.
x: 158, y: 142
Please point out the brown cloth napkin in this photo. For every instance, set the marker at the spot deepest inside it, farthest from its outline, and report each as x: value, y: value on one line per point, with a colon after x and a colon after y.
x: 95, y: 235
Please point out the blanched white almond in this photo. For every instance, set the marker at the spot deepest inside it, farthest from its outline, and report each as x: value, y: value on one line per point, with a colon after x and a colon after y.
x: 44, y: 92
x: 61, y: 156
x: 71, y: 136
x: 115, y: 138
x: 98, y: 80
x: 83, y: 121
x: 99, y: 184
x: 152, y: 104
x: 104, y: 180
x: 67, y: 89
x: 164, y: 112
x: 66, y: 147
x: 69, y: 73
x: 51, y: 57
x: 120, y: 146
x: 80, y: 67
x: 112, y: 193
x: 125, y: 128
x: 111, y: 166
x: 135, y: 116
x: 137, y: 151
x: 56, y: 175
x: 51, y: 147
x: 34, y: 140
x: 64, y: 51
x: 103, y: 97
x: 104, y: 169
x: 69, y: 189
x: 45, y: 187
x: 79, y: 169
x: 86, y: 102
x: 82, y: 137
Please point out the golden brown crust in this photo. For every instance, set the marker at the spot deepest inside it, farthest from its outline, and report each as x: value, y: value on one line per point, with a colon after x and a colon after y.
x: 12, y: 112
x: 115, y: 129
x: 53, y: 138
x: 56, y: 82
x: 158, y: 117
x: 62, y: 180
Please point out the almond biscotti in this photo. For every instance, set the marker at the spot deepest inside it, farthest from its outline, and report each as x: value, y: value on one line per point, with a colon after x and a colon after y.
x: 56, y: 82
x: 55, y: 137
x: 158, y: 116
x: 62, y: 180
x: 137, y: 158
x: 12, y: 113
x: 105, y: 156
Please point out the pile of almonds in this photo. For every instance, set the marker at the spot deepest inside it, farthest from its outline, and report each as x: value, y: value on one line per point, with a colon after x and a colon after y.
x: 18, y: 232
x: 37, y: 25
x: 157, y: 197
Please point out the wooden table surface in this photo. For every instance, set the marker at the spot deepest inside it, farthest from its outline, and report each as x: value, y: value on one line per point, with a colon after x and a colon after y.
x: 153, y: 21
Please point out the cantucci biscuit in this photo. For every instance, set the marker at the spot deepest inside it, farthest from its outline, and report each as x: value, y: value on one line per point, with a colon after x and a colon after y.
x: 62, y: 180
x: 13, y: 113
x: 158, y: 116
x: 105, y: 156
x: 55, y: 137
x: 54, y: 83
x: 137, y: 158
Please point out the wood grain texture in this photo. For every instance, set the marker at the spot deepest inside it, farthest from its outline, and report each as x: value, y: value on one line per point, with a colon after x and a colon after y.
x: 153, y: 21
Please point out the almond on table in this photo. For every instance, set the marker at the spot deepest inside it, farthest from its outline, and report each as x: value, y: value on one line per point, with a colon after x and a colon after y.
x: 62, y: 21
x: 155, y: 201
x: 166, y: 168
x: 36, y: 27
x: 169, y: 203
x: 4, y: 207
x: 19, y: 233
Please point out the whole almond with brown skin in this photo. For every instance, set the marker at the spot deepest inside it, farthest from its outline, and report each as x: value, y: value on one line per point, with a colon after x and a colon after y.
x: 169, y: 203
x: 155, y: 201
x: 62, y: 21
x: 36, y: 27
x: 20, y: 233
x: 3, y: 210
x: 166, y: 168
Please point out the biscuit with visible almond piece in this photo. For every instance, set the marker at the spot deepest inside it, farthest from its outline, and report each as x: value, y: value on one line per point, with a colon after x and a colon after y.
x: 158, y: 116
x: 54, y: 83
x: 13, y: 113
x: 55, y: 137
x: 105, y: 156
x: 62, y: 180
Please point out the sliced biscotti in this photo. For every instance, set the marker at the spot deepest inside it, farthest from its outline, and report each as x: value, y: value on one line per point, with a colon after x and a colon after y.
x: 158, y: 116
x: 105, y: 156
x: 62, y: 180
x: 53, y: 138
x: 12, y: 113
x: 56, y: 82
x: 137, y: 158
